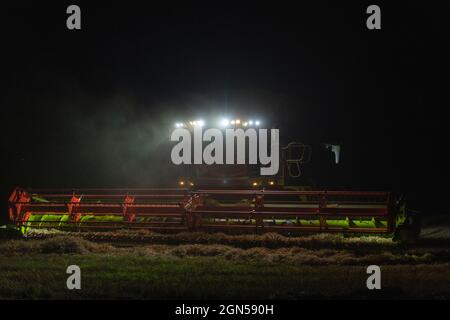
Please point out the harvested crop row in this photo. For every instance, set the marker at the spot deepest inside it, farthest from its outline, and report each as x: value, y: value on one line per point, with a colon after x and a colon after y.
x: 289, y: 255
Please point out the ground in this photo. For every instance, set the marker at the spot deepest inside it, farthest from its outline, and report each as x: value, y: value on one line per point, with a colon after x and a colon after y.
x: 144, y: 265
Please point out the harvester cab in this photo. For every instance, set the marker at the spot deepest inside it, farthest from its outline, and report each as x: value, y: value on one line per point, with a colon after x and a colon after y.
x: 247, y: 176
x: 292, y: 157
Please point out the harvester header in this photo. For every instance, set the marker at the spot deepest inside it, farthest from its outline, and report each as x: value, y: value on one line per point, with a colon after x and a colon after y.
x: 176, y: 210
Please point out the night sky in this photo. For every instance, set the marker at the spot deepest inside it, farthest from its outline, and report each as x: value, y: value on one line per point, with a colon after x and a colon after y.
x: 95, y: 107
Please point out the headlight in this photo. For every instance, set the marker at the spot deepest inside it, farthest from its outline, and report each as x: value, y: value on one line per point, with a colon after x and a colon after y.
x: 196, y: 123
x: 224, y: 122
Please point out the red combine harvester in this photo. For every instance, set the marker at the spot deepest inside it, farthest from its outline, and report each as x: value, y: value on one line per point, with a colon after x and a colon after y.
x: 228, y: 200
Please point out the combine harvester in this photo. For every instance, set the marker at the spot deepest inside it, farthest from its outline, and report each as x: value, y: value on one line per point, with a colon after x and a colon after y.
x: 231, y: 211
x: 218, y: 202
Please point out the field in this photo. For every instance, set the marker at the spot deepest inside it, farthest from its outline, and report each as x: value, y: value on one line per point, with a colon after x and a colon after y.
x: 145, y: 265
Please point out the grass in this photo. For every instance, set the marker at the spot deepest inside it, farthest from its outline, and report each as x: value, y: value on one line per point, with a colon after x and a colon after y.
x: 133, y: 277
x: 36, y: 269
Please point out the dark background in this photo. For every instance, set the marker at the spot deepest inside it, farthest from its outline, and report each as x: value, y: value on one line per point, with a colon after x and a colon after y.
x: 95, y: 107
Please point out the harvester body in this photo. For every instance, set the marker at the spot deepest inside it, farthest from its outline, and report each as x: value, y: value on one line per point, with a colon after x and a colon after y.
x: 232, y: 199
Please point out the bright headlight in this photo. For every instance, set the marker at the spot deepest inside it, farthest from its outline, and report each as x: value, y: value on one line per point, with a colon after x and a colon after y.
x: 224, y: 122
